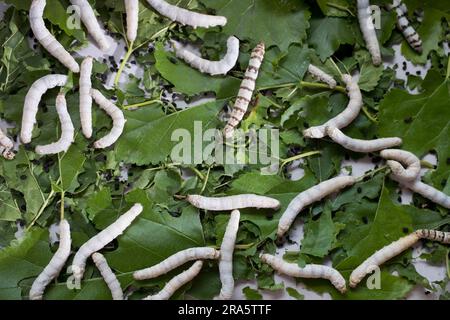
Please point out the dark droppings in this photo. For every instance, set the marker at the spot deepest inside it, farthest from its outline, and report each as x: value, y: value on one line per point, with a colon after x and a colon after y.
x: 359, y: 190
x: 365, y: 220
x: 405, y: 230
x: 23, y: 177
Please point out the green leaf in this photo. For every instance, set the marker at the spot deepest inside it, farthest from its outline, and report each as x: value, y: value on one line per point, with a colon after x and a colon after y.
x: 251, y: 294
x: 335, y: 8
x: 294, y: 293
x: 71, y: 166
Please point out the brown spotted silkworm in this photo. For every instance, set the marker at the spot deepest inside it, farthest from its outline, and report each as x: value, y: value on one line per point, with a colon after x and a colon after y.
x: 240, y: 201
x: 6, y: 146
x: 108, y: 275
x: 396, y: 158
x: 368, y: 31
x: 322, y: 76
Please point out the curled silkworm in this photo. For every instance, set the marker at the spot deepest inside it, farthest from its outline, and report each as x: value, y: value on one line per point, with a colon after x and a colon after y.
x: 322, y: 76
x: 109, y: 276
x: 359, y: 145
x: 85, y: 97
x: 116, y: 115
x: 246, y: 90
x: 46, y: 39
x: 368, y: 31
x: 32, y: 100
x: 233, y: 202
x: 345, y: 117
x: 397, y: 158
x: 52, y: 270
x: 176, y: 260
x: 186, y: 17
x: 6, y: 146
x: 67, y: 130
x: 207, y: 66
x: 308, y: 271
x: 102, y: 239
x: 310, y: 196
x: 132, y: 11
x: 177, y: 282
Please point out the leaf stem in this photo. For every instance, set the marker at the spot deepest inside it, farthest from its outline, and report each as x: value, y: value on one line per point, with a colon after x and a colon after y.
x: 62, y: 206
x: 305, y: 84
x: 298, y: 156
x: 142, y: 104
x: 336, y: 6
x: 426, y: 164
x: 43, y: 206
x: 124, y: 62
x: 206, y: 180
x: 371, y: 173
x: 369, y: 115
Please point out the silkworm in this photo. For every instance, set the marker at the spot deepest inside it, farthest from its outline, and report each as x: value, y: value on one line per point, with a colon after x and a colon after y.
x: 176, y: 260
x: 396, y: 158
x: 54, y: 267
x: 226, y: 256
x: 132, y: 11
x: 46, y: 39
x: 177, y: 282
x: 322, y: 76
x: 6, y: 146
x: 67, y: 130
x: 102, y: 239
x: 8, y: 154
x: 90, y: 21
x: 32, y: 100
x: 359, y: 145
x: 246, y: 90
x: 85, y: 97
x: 308, y: 271
x: 233, y: 202
x: 109, y: 276
x: 186, y: 17
x: 207, y: 66
x: 345, y: 117
x: 403, y: 24
x: 368, y: 31
x: 117, y: 117
x: 310, y: 196
x: 435, y: 235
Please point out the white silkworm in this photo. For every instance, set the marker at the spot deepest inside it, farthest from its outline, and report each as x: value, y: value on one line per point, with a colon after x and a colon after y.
x: 345, y: 117
x: 368, y: 31
x: 177, y: 282
x: 132, y: 11
x: 240, y: 201
x: 85, y: 96
x: 308, y: 271
x: 246, y: 90
x: 396, y: 158
x: 310, y: 196
x: 207, y: 66
x: 54, y: 267
x: 322, y: 76
x: 109, y: 276
x: 102, y: 239
x: 67, y: 130
x: 46, y: 39
x: 359, y: 145
x: 90, y: 21
x: 186, y: 17
x: 116, y: 115
x: 176, y: 260
x: 226, y: 257
x: 6, y: 146
x: 32, y: 99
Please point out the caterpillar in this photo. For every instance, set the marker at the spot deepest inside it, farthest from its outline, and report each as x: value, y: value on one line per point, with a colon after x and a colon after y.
x: 396, y: 157
x: 108, y: 275
x: 67, y: 130
x: 246, y: 90
x: 52, y: 270
x: 116, y: 115
x: 226, y: 257
x: 394, y: 249
x: 310, y: 196
x: 6, y: 146
x: 176, y: 260
x: 8, y: 154
x: 345, y: 117
x: 206, y: 66
x: 103, y: 238
x: 85, y: 97
x: 403, y: 24
x: 233, y: 202
x: 46, y: 39
x: 32, y: 99
x: 186, y: 17
x: 308, y: 271
x: 368, y: 31
x: 132, y: 11
x: 322, y: 76
x: 359, y: 145
x: 177, y: 282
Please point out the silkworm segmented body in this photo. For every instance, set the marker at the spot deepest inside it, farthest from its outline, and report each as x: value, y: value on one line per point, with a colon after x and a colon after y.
x: 233, y: 202
x: 176, y: 260
x: 54, y: 267
x: 310, y: 196
x: 322, y: 76
x: 117, y: 117
x: 6, y: 146
x: 245, y: 91
x: 345, y: 117
x: 368, y: 31
x: 434, y: 235
x: 85, y: 97
x: 46, y: 39
x: 132, y: 11
x: 309, y: 271
x: 102, y: 239
x: 396, y: 157
x: 207, y: 66
x: 109, y: 276
x: 32, y: 100
x: 186, y: 17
